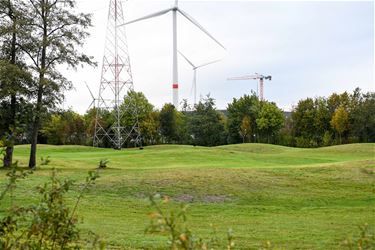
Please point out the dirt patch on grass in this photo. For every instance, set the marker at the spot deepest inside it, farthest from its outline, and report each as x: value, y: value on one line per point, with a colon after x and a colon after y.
x: 184, y: 198
x: 187, y: 198
x: 215, y: 198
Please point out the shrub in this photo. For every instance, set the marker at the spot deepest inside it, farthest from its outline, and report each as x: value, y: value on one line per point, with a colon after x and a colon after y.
x: 302, y: 142
x: 49, y: 224
x: 327, y: 139
x: 103, y: 163
x: 44, y: 161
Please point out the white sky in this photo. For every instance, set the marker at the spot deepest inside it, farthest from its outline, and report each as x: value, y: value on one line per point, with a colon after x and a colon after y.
x: 310, y: 49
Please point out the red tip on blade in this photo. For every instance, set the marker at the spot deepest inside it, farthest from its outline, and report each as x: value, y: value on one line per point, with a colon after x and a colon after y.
x: 175, y: 85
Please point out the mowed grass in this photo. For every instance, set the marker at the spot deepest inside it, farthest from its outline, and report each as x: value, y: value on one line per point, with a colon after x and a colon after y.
x: 295, y: 198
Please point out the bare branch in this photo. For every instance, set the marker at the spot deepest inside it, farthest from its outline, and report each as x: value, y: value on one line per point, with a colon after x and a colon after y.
x: 28, y: 53
x: 36, y: 8
x: 58, y: 28
x: 52, y: 61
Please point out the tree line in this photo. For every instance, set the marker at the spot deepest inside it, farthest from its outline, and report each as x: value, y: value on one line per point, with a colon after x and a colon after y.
x: 313, y: 122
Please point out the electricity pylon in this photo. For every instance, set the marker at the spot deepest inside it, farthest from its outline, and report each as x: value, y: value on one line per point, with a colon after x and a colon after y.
x: 116, y: 82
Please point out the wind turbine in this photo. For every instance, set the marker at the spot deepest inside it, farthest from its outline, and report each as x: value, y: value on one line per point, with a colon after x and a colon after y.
x: 174, y: 10
x: 92, y: 104
x: 195, y: 73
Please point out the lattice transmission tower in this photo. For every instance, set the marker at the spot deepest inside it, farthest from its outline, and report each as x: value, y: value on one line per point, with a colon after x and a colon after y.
x: 116, y: 82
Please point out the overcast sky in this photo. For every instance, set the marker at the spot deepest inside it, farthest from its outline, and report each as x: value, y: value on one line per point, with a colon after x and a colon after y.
x: 310, y: 49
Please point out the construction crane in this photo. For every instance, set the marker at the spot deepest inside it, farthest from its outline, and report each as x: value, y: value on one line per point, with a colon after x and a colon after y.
x: 256, y: 76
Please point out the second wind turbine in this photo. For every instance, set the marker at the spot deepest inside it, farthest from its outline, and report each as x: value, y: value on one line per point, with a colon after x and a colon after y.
x: 195, y: 74
x: 174, y: 10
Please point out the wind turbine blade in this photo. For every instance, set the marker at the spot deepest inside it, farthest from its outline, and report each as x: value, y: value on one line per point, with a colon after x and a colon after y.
x: 205, y: 64
x: 159, y: 13
x: 90, y: 91
x: 187, y: 59
x: 186, y: 15
x: 91, y: 105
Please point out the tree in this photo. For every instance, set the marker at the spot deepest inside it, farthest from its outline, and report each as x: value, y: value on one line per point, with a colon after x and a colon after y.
x: 135, y: 108
x: 168, y: 123
x: 248, y: 105
x: 63, y: 128
x: 183, y: 135
x: 285, y: 135
x: 14, y: 78
x: 53, y: 130
x: 322, y: 121
x: 105, y: 120
x: 270, y: 120
x: 335, y: 100
x: 340, y: 121
x: 245, y: 129
x: 54, y: 33
x: 303, y: 117
x: 362, y: 116
x: 207, y: 125
x: 150, y: 128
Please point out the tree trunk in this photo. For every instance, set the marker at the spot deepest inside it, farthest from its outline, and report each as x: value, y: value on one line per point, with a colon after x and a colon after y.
x: 39, y: 104
x: 8, y: 157
x: 35, y: 129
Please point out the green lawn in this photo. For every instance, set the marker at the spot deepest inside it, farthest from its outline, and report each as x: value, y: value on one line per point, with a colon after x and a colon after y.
x: 295, y: 198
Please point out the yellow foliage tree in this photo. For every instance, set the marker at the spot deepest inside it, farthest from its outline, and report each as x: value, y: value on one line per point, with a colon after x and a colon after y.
x: 340, y: 121
x: 245, y: 128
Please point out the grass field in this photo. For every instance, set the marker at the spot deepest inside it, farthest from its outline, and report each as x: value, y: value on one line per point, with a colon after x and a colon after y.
x: 295, y: 198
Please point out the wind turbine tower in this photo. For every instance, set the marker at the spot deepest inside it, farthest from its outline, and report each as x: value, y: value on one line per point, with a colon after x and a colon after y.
x: 195, y: 73
x: 116, y: 82
x: 174, y: 10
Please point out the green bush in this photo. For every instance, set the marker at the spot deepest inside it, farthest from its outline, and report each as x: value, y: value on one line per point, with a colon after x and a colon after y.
x: 45, y: 161
x: 103, y: 163
x: 327, y: 139
x: 49, y: 224
x: 302, y: 142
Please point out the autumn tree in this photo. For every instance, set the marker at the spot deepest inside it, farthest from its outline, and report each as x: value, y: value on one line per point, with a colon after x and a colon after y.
x: 55, y: 33
x: 340, y: 121
x: 245, y: 129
